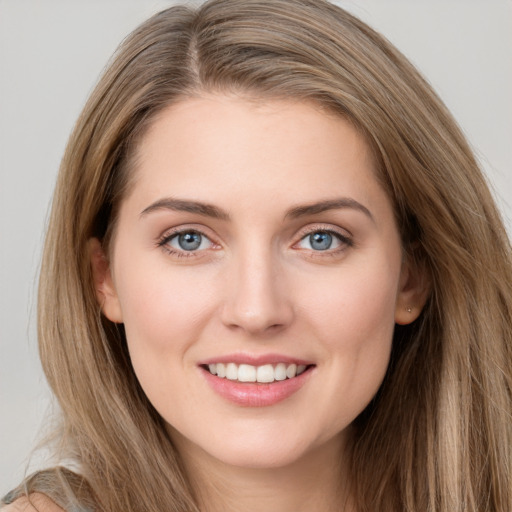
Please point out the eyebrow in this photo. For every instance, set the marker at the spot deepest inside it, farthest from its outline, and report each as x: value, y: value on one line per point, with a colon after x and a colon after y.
x: 181, y: 205
x: 330, y: 204
x: 209, y: 210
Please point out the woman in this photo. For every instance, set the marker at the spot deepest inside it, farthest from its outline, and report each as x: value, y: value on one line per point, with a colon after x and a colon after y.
x: 344, y: 345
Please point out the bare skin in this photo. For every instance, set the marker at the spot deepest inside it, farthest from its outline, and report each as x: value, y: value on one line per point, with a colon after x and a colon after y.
x: 310, y: 484
x: 257, y: 231
x: 37, y: 502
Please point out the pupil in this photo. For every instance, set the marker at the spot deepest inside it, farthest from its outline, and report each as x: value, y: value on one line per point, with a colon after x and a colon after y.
x: 189, y: 241
x: 320, y: 241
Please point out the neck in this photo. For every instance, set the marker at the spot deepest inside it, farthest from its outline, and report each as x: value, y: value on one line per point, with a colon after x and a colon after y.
x: 317, y: 481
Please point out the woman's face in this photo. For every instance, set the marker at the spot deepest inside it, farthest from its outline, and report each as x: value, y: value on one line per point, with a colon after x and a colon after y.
x: 256, y: 244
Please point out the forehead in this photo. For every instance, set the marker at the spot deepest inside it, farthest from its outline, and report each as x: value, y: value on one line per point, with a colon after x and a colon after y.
x: 199, y: 141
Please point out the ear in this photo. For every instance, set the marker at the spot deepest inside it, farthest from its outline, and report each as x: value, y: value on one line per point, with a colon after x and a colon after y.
x: 106, y: 294
x: 413, y: 291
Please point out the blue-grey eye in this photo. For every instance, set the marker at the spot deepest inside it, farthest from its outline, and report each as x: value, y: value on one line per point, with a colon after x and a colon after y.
x: 320, y: 241
x: 189, y: 241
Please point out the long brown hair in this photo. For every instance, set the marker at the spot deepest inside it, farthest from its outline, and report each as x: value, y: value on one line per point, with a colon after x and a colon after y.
x: 438, y: 435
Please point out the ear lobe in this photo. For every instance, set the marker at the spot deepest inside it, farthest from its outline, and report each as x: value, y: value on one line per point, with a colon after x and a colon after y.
x: 413, y: 291
x: 106, y: 294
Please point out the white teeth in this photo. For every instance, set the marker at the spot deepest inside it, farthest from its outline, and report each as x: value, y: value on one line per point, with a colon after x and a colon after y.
x: 232, y: 371
x: 280, y: 372
x: 249, y: 373
x: 246, y: 373
x: 221, y: 370
x: 291, y: 371
x: 265, y: 373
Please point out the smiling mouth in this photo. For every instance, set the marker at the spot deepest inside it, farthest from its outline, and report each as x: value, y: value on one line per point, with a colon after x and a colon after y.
x: 266, y: 373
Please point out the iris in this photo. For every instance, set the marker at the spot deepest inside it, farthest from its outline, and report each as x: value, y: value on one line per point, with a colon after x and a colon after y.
x: 320, y: 241
x: 189, y: 241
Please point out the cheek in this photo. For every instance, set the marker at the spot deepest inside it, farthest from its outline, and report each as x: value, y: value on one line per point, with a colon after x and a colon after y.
x: 164, y: 311
x: 355, y: 307
x: 353, y: 319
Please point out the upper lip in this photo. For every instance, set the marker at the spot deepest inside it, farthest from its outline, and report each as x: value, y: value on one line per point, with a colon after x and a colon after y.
x: 255, y: 360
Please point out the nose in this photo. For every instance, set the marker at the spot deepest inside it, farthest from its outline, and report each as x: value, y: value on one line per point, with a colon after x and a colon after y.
x: 256, y: 299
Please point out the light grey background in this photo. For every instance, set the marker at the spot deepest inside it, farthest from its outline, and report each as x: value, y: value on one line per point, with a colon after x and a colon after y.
x: 51, y: 53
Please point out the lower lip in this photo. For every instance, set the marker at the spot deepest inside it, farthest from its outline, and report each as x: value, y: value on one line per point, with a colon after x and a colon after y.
x: 253, y: 394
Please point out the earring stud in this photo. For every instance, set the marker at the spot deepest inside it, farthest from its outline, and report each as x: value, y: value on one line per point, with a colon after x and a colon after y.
x: 408, y: 309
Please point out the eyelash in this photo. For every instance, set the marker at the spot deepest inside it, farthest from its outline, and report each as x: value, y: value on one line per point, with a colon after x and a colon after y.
x: 345, y: 242
x: 163, y: 242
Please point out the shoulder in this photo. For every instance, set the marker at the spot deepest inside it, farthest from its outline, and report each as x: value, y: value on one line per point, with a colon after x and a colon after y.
x: 36, y: 502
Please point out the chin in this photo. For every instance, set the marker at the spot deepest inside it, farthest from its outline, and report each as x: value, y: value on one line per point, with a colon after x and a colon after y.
x: 267, y: 458
x: 257, y: 447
